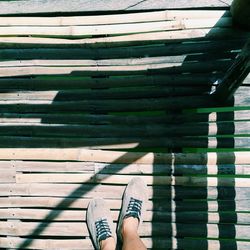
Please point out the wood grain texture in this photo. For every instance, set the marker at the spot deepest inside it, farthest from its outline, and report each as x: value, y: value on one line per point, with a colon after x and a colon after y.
x: 62, y: 229
x: 125, y: 40
x: 142, y: 169
x: 80, y: 216
x: 86, y: 243
x: 240, y: 203
x: 71, y: 192
x: 132, y: 119
x: 79, y: 154
x: 66, y: 99
x: 121, y: 52
x: 117, y: 29
x: 152, y: 16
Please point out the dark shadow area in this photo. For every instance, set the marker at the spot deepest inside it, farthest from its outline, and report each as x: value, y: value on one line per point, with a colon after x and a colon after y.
x: 141, y: 110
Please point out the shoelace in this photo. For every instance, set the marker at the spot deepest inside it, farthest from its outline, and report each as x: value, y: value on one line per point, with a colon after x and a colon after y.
x: 134, y: 208
x: 102, y: 230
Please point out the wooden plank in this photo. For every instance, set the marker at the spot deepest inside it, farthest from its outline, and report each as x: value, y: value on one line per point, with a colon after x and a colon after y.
x: 205, y: 79
x: 110, y: 191
x: 124, y: 40
x: 161, y: 243
x: 100, y: 131
x: 123, y: 179
x: 127, y: 93
x: 84, y: 71
x: 69, y: 190
x: 15, y: 242
x: 115, y: 29
x: 110, y: 143
x: 93, y: 167
x: 100, y: 119
x: 64, y: 203
x: 80, y: 216
x: 163, y: 68
x: 8, y: 173
x: 104, y: 106
x: 165, y: 60
x: 62, y: 229
x: 123, y: 52
x: 79, y: 154
x: 113, y: 19
x: 7, y: 176
x: 38, y: 6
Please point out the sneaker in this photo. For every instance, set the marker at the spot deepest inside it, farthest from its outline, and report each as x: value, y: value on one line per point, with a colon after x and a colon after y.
x: 99, y: 222
x: 134, y: 202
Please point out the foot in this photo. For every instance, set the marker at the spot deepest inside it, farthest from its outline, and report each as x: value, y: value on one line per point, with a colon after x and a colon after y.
x: 133, y: 207
x: 101, y: 225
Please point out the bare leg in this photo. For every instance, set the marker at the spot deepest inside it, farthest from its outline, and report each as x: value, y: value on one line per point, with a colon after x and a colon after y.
x: 108, y: 244
x: 131, y: 239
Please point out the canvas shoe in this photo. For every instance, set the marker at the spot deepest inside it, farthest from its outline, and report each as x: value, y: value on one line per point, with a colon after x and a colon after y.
x: 99, y: 222
x: 134, y: 202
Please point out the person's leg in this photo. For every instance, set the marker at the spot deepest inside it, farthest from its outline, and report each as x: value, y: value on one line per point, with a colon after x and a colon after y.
x: 130, y: 236
x: 101, y: 225
x: 131, y: 216
x: 108, y: 244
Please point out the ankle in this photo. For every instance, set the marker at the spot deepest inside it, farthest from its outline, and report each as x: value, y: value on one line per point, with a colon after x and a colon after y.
x: 129, y: 226
x: 108, y: 244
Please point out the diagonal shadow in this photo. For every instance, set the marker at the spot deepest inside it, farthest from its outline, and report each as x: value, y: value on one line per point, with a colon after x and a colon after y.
x: 65, y: 203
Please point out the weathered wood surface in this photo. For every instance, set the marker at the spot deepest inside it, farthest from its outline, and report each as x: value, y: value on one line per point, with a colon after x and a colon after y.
x: 80, y: 216
x: 164, y: 68
x: 113, y: 19
x: 118, y: 179
x: 79, y: 154
x: 121, y: 52
x: 83, y: 83
x: 90, y: 131
x: 63, y: 97
x: 126, y: 40
x: 48, y: 6
x: 100, y: 119
x: 123, y: 143
x: 154, y: 169
x: 160, y: 242
x: 70, y: 193
x: 87, y: 30
x: 62, y: 229
x: 226, y: 203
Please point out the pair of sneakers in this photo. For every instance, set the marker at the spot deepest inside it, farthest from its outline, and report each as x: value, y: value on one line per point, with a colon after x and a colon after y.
x: 99, y: 221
